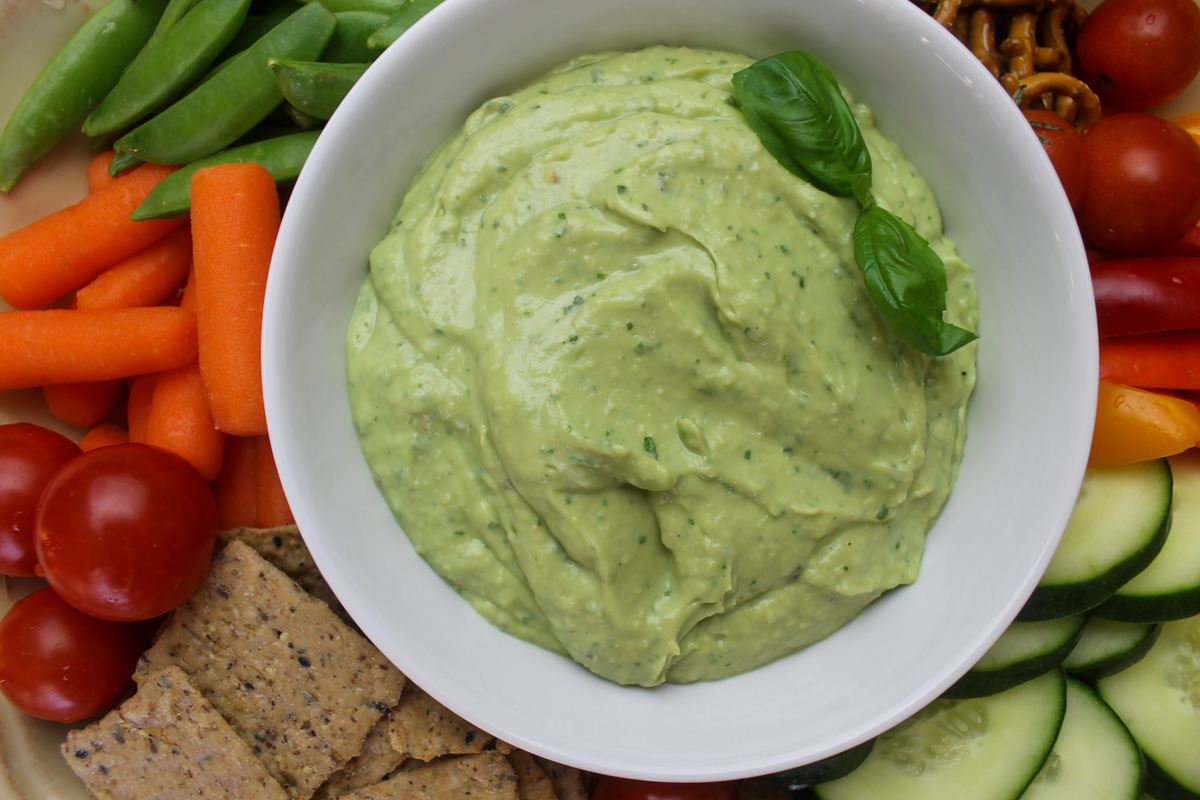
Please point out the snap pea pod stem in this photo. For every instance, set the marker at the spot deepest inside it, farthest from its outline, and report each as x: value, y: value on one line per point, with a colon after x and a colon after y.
x: 349, y: 43
x: 315, y: 87
x: 235, y: 98
x: 164, y: 71
x: 404, y: 18
x: 283, y: 156
x: 85, y: 69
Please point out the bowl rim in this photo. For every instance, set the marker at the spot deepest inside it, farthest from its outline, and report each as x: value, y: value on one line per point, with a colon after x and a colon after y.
x: 281, y: 367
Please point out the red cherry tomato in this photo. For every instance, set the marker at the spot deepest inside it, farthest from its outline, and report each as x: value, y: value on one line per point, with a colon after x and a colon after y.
x: 29, y: 457
x: 1143, y: 190
x: 126, y: 532
x: 1064, y: 145
x: 1137, y: 54
x: 609, y: 788
x: 57, y: 663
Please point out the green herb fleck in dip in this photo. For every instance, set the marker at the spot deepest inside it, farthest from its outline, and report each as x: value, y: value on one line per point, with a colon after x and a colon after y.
x: 617, y: 375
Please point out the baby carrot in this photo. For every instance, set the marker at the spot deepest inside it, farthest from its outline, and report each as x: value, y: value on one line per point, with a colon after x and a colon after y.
x: 236, y: 486
x: 235, y: 218
x: 97, y: 171
x: 81, y: 404
x: 66, y: 249
x: 103, y: 435
x: 180, y: 421
x: 273, y: 509
x: 179, y: 418
x: 47, y: 346
x: 137, y: 411
x: 146, y: 278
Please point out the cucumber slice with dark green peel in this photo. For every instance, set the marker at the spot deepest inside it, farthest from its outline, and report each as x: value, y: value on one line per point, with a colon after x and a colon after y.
x: 1158, y: 699
x: 827, y: 769
x: 1094, y: 757
x: 1107, y: 647
x: 1024, y: 651
x: 1169, y: 587
x: 987, y: 748
x: 1118, y: 526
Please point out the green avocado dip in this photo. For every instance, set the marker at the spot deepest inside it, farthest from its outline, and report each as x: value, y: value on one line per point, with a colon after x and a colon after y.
x: 616, y: 374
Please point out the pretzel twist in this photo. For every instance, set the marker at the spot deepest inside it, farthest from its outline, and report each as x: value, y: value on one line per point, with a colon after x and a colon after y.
x: 1032, y: 58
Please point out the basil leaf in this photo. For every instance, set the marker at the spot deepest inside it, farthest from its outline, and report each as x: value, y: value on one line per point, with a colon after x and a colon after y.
x: 794, y: 104
x: 907, y: 281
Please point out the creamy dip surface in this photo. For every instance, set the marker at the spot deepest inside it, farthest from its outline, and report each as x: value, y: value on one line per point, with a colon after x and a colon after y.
x: 617, y: 375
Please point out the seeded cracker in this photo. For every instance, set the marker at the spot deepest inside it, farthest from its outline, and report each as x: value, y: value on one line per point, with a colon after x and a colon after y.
x: 424, y: 729
x: 284, y: 548
x: 167, y: 743
x: 569, y: 783
x: 532, y: 781
x: 295, y: 682
x: 480, y: 776
x: 374, y: 761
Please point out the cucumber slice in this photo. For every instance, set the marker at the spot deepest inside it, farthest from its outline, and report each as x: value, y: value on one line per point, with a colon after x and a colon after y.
x: 1158, y: 699
x: 1094, y: 757
x: 827, y: 769
x: 1024, y: 651
x: 1107, y: 647
x: 1169, y: 587
x: 1118, y: 526
x: 987, y: 748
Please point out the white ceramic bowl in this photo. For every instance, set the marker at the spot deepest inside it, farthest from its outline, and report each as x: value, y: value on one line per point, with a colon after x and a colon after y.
x: 1029, y: 421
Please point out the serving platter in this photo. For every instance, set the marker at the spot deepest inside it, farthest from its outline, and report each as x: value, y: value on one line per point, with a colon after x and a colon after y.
x: 30, y: 32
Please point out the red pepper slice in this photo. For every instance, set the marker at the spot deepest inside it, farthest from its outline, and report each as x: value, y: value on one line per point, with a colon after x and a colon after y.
x: 1146, y: 295
x: 1168, y: 360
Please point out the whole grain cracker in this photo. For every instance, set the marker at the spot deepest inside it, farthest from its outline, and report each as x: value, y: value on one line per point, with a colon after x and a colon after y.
x: 424, y: 729
x: 532, y: 781
x: 167, y: 742
x: 569, y: 782
x: 284, y: 547
x: 374, y: 761
x: 296, y: 683
x: 480, y: 776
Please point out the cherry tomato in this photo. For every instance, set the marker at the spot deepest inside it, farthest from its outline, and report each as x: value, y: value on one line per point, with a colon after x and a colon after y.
x: 609, y: 788
x: 1143, y: 190
x: 126, y: 532
x: 1137, y: 54
x: 1064, y: 145
x: 29, y: 457
x: 58, y: 663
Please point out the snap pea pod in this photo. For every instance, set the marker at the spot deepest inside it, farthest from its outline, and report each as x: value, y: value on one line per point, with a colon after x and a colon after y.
x: 303, y: 121
x: 283, y: 157
x: 122, y: 162
x: 349, y: 43
x: 315, y: 87
x: 163, y: 72
x: 175, y: 11
x: 257, y: 26
x: 388, y: 7
x: 235, y: 98
x: 77, y: 77
x: 398, y: 23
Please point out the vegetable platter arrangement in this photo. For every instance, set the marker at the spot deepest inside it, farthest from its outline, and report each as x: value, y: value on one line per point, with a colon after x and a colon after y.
x: 129, y: 337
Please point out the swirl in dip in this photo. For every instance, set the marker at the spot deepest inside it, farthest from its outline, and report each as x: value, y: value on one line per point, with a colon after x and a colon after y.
x: 616, y: 373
